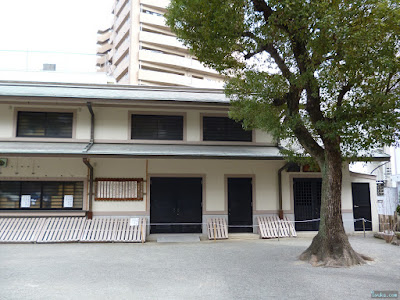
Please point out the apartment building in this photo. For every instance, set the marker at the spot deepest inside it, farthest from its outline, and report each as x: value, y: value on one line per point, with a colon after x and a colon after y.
x: 170, y: 155
x: 140, y: 49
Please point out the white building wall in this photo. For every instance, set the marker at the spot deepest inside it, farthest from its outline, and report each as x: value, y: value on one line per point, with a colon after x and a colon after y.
x: 6, y: 121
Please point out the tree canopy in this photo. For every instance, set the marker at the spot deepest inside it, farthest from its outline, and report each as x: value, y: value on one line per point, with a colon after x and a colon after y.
x: 314, y: 70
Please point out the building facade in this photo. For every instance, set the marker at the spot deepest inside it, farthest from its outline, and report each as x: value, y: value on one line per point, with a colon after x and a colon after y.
x: 140, y: 49
x: 170, y: 155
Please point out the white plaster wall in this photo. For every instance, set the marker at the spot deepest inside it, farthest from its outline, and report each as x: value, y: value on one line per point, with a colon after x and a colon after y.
x: 111, y: 123
x: 56, y: 167
x: 347, y: 196
x: 193, y: 126
x: 119, y: 168
x: 83, y: 120
x: 263, y: 137
x: 6, y: 121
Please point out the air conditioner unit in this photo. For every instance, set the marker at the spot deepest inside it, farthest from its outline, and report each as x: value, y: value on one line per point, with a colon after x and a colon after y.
x: 3, y: 162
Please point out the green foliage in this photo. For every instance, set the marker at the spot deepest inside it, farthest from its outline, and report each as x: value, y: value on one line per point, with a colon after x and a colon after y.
x: 329, y: 67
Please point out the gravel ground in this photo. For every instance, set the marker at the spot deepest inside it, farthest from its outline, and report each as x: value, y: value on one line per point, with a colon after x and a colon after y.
x: 232, y: 269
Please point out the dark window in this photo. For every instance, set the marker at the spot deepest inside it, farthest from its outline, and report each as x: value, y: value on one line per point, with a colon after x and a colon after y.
x: 157, y: 127
x: 41, y: 195
x: 44, y: 124
x: 224, y: 129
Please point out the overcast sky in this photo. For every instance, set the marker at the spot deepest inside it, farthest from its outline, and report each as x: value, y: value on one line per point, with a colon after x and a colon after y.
x: 51, y: 25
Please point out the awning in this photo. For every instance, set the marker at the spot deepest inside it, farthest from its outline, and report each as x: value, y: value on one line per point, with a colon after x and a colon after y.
x: 140, y: 150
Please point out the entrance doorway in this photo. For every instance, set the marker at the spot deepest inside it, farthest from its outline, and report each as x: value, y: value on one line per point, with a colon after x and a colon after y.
x: 361, y: 205
x: 240, y: 204
x: 176, y: 204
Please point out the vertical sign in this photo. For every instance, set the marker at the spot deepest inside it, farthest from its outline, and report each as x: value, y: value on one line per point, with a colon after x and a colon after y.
x: 25, y: 201
x: 68, y: 200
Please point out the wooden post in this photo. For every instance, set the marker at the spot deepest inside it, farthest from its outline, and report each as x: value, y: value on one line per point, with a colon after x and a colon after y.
x: 363, y: 220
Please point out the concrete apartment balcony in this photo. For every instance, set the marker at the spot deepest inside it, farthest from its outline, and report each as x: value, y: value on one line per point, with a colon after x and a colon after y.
x: 120, y: 5
x: 122, y: 18
x: 156, y: 3
x: 174, y: 61
x: 121, y: 34
x: 121, y: 67
x: 101, y: 60
x: 164, y: 41
x: 104, y: 37
x: 123, y: 48
x: 101, y: 69
x: 104, y: 48
x: 155, y: 20
x: 162, y: 78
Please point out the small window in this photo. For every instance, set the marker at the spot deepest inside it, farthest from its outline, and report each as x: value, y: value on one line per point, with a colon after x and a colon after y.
x: 46, y: 195
x: 119, y: 189
x: 157, y: 127
x: 224, y: 129
x: 44, y: 124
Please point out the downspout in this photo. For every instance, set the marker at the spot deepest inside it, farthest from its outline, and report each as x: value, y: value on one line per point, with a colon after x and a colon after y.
x: 280, y: 212
x: 89, y: 213
x: 88, y: 146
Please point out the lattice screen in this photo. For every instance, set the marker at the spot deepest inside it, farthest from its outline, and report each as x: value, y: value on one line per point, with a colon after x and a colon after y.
x: 119, y: 189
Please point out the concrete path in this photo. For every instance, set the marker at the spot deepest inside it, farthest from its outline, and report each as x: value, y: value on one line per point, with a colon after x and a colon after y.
x: 232, y: 269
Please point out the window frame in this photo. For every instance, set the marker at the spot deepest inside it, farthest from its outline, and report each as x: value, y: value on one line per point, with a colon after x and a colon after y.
x: 44, y: 110
x: 202, y: 115
x: 43, y: 181
x: 156, y: 113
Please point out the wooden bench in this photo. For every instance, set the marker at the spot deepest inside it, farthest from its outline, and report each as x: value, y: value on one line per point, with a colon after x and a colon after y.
x: 217, y: 229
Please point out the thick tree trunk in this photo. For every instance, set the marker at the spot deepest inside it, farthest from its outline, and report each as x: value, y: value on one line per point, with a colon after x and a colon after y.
x: 331, y: 247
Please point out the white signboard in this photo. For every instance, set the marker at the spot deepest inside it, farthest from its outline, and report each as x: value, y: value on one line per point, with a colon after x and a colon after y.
x: 25, y: 201
x: 134, y: 222
x: 68, y: 200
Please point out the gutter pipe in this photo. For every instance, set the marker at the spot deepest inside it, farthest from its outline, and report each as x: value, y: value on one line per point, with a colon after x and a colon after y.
x: 89, y: 213
x: 88, y: 146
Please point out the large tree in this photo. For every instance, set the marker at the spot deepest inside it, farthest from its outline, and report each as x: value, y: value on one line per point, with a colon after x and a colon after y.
x: 322, y: 73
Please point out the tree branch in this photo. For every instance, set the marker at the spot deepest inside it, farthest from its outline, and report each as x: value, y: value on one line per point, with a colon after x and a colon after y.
x: 342, y: 93
x: 388, y: 87
x: 301, y: 132
x: 279, y: 60
x: 261, y: 6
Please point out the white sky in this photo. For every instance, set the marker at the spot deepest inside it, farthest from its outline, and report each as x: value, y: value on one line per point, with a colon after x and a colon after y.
x: 51, y: 25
